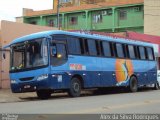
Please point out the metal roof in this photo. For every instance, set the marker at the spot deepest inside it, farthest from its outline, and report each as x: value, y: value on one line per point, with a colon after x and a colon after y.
x: 78, y: 34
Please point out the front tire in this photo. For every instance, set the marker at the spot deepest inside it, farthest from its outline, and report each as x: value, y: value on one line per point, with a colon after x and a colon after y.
x: 133, y: 84
x: 75, y: 87
x: 43, y: 94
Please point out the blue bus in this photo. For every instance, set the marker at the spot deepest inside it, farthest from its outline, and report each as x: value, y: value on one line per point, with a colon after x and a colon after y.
x: 52, y: 61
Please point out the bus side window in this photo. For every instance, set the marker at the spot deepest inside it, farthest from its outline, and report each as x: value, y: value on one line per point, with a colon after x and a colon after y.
x: 73, y: 44
x: 131, y: 51
x: 106, y: 49
x: 92, y: 47
x: 150, y: 53
x: 142, y: 52
x: 119, y: 50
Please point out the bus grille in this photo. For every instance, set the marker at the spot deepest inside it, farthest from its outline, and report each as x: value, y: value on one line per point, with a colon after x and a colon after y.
x: 26, y: 79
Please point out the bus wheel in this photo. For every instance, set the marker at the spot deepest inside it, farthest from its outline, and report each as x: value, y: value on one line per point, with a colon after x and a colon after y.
x: 75, y: 87
x: 156, y: 86
x: 43, y: 94
x: 133, y: 84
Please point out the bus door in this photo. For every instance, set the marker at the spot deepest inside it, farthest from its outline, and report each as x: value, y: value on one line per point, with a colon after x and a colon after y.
x: 152, y: 69
x: 108, y: 72
x: 58, y: 61
x: 142, y: 66
x: 108, y: 65
x: 152, y: 72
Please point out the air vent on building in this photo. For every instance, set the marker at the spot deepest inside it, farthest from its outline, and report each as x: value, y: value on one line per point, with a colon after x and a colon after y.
x: 137, y: 9
x: 104, y: 12
x: 107, y: 12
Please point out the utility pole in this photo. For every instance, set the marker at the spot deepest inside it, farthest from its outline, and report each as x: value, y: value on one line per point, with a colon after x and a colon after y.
x: 58, y: 7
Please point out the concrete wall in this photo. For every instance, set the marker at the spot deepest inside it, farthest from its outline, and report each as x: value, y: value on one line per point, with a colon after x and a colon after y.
x: 152, y: 17
x: 0, y: 73
x: 19, y: 19
x: 0, y: 57
x: 8, y: 32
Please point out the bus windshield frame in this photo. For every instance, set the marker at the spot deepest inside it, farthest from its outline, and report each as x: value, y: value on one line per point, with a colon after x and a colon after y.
x: 29, y: 55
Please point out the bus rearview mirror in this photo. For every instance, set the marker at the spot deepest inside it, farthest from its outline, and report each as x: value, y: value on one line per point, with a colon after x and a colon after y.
x: 53, y: 51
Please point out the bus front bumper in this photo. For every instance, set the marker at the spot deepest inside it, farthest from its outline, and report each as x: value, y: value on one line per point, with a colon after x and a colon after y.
x: 29, y: 86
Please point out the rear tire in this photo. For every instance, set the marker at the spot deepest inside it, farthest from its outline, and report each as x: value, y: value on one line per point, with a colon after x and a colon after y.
x: 43, y: 94
x: 156, y: 86
x: 75, y: 87
x: 133, y: 84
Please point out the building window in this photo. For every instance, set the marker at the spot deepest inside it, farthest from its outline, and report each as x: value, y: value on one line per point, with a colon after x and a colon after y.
x: 97, y: 18
x: 51, y: 23
x: 122, y: 15
x: 73, y: 20
x: 137, y: 9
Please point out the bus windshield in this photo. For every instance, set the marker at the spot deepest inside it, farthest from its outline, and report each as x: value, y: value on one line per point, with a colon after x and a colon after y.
x: 29, y: 54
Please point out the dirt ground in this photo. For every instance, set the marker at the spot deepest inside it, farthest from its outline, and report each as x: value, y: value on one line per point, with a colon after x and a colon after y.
x: 7, y: 96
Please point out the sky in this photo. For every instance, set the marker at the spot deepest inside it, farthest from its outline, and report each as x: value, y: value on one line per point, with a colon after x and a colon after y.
x: 9, y: 9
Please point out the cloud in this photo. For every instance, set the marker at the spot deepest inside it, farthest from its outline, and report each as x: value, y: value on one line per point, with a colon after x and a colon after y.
x: 6, y: 16
x: 13, y: 8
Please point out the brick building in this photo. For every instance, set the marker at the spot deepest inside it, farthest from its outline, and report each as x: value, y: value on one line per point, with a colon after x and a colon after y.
x: 94, y: 15
x: 152, y: 17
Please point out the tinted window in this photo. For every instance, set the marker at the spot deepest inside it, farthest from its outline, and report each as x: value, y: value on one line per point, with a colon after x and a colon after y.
x: 119, y: 49
x: 73, y: 45
x: 106, y: 49
x: 92, y: 47
x: 150, y: 54
x: 131, y: 51
x: 142, y: 53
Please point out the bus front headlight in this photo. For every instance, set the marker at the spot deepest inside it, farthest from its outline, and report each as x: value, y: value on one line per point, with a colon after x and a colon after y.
x: 13, y: 82
x: 42, y: 77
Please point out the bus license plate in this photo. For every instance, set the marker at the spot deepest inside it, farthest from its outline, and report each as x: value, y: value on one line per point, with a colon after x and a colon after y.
x: 27, y: 86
